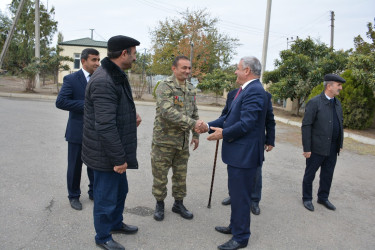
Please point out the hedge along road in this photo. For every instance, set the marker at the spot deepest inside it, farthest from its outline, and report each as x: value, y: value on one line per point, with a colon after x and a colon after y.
x: 36, y: 213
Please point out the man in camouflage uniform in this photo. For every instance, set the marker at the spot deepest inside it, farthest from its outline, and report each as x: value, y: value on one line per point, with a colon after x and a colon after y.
x: 176, y: 116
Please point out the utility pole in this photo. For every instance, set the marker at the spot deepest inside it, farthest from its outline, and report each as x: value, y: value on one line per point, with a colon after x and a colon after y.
x: 37, y: 41
x: 332, y: 27
x: 291, y: 41
x: 266, y: 35
x: 287, y: 42
x: 11, y: 31
x: 92, y: 34
x: 143, y: 71
x: 191, y: 58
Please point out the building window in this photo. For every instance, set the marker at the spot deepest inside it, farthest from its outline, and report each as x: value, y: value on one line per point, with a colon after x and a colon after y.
x: 77, y: 60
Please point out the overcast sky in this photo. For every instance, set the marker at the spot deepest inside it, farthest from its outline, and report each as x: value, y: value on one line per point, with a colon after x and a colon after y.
x: 242, y: 19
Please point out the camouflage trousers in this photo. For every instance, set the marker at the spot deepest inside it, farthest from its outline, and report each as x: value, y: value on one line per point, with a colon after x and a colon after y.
x: 162, y: 159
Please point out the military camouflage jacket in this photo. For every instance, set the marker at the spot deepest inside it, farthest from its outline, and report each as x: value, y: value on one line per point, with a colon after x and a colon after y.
x: 176, y: 114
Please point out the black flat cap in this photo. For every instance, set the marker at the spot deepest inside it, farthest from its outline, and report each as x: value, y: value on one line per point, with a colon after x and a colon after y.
x: 333, y: 78
x: 119, y: 43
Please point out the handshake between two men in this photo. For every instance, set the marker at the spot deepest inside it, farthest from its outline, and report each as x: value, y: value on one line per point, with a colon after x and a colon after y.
x: 202, y: 127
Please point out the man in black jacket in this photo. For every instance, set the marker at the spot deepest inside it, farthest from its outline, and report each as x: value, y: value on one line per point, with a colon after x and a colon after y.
x: 109, y: 143
x: 322, y: 139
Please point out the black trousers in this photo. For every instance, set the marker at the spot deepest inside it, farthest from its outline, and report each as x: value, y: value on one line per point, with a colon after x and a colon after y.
x: 327, y: 166
x: 73, y: 175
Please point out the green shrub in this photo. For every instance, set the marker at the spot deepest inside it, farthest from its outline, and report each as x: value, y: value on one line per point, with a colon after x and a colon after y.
x: 358, y: 103
x: 317, y: 90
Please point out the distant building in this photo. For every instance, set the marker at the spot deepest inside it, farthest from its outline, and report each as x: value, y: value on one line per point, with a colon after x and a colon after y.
x: 74, y: 48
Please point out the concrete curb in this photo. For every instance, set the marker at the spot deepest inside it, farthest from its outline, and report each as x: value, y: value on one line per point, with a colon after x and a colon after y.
x: 358, y: 138
x: 28, y: 96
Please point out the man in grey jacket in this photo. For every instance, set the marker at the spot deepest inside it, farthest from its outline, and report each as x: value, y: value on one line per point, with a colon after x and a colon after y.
x: 322, y: 139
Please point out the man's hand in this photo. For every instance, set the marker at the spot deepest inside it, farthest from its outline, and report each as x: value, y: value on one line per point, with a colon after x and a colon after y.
x: 307, y: 154
x: 195, y: 142
x: 120, y: 169
x: 201, y: 127
x: 268, y: 148
x: 217, y: 135
x: 139, y: 119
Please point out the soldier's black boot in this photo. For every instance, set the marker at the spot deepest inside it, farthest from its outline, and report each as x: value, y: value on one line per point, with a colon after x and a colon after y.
x: 179, y: 208
x: 159, y: 211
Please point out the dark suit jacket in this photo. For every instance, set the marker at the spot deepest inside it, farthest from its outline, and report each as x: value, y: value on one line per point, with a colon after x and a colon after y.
x: 71, y: 98
x: 229, y: 101
x: 243, y: 128
x: 270, y: 123
x: 317, y: 125
x: 270, y: 119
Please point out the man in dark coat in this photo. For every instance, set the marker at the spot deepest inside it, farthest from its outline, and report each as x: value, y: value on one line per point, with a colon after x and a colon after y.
x: 269, y: 144
x: 109, y: 143
x: 242, y: 131
x: 322, y: 139
x: 71, y: 98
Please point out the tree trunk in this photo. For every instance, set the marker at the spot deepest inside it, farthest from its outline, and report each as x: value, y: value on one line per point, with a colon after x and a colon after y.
x: 55, y: 80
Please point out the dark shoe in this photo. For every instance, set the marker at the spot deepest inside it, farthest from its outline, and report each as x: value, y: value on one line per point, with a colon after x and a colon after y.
x: 232, y: 245
x: 308, y: 205
x: 111, y: 245
x: 224, y: 230
x: 226, y: 201
x: 255, y: 208
x: 327, y: 204
x: 159, y: 211
x: 125, y: 229
x: 179, y: 208
x: 75, y: 204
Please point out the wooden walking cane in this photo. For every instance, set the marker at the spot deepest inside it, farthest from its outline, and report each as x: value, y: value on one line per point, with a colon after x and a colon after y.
x: 213, y: 175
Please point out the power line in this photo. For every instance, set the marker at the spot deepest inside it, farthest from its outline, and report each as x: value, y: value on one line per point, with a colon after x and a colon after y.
x: 158, y: 6
x: 311, y: 24
x: 100, y: 36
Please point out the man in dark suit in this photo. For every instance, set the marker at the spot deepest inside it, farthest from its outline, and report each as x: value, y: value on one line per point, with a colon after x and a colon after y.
x: 322, y: 139
x: 268, y: 146
x: 71, y: 98
x: 242, y: 131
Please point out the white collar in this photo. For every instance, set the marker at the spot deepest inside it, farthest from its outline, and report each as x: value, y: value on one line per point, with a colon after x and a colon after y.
x: 85, y: 73
x: 329, y: 98
x: 247, y: 83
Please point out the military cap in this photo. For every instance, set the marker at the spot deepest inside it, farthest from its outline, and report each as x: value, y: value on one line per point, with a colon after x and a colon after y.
x: 119, y: 43
x: 333, y: 78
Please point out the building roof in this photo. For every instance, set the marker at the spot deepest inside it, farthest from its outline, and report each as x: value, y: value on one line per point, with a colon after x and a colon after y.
x: 85, y: 42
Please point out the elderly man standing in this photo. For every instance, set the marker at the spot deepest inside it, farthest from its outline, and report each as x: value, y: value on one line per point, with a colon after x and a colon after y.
x: 109, y: 143
x: 322, y: 139
x: 242, y: 131
x: 176, y: 116
x: 269, y: 144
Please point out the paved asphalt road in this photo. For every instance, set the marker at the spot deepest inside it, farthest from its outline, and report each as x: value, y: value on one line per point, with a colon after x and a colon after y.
x: 35, y: 212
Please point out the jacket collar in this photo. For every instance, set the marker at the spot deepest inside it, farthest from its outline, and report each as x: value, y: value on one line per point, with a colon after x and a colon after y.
x: 325, y: 100
x: 81, y: 77
x: 242, y: 93
x: 173, y: 79
x: 118, y: 76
